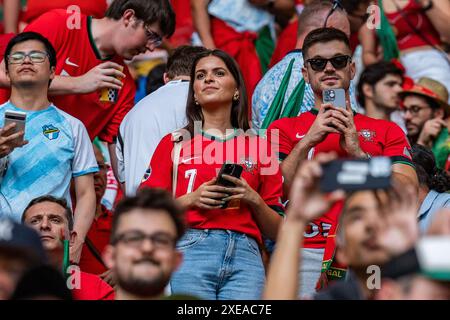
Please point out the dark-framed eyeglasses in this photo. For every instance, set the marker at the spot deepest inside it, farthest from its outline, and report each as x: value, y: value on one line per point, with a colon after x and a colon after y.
x: 414, y: 110
x: 35, y: 57
x: 135, y: 239
x: 153, y: 37
x: 336, y: 4
x: 338, y: 62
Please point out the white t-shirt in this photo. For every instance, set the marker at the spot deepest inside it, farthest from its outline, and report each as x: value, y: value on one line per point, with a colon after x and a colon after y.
x: 140, y: 132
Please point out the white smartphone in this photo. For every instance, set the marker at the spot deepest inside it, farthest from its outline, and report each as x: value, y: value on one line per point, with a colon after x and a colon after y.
x: 334, y: 96
x: 18, y: 117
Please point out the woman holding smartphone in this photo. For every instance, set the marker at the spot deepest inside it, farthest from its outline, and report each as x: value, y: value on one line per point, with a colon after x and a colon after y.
x: 221, y: 252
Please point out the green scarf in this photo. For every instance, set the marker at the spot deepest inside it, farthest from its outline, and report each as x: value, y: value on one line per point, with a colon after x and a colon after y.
x: 292, y: 107
x: 265, y: 46
x: 441, y: 148
x: 387, y: 37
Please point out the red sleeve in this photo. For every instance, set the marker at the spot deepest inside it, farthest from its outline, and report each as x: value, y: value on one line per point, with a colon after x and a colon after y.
x: 124, y: 104
x: 271, y: 186
x: 396, y: 145
x: 279, y: 139
x: 159, y: 172
x: 51, y: 25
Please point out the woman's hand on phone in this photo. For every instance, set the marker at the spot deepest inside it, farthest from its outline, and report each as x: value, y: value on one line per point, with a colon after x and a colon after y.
x: 242, y: 191
x: 9, y: 141
x: 207, y: 196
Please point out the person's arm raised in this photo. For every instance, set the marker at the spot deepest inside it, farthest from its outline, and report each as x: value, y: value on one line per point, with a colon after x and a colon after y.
x: 306, y: 203
x: 202, y: 22
x: 439, y: 15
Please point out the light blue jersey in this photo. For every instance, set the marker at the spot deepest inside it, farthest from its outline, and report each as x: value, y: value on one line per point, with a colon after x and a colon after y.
x: 268, y: 86
x: 58, y: 149
x: 240, y: 14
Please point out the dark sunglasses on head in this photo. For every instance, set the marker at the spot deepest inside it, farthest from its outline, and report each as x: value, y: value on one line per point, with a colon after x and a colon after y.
x: 338, y: 62
x: 336, y: 4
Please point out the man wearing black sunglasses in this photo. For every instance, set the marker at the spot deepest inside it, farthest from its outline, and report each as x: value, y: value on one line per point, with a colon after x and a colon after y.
x: 326, y: 128
x: 312, y: 17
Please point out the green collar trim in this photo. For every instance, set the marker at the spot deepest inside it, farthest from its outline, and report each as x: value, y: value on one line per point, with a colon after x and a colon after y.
x: 212, y: 137
x: 91, y: 40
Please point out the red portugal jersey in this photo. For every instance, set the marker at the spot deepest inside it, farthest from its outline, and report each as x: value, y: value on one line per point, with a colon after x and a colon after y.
x: 92, y: 287
x: 36, y: 8
x: 99, y: 234
x: 200, y: 161
x: 4, y: 40
x: 76, y: 55
x: 376, y: 137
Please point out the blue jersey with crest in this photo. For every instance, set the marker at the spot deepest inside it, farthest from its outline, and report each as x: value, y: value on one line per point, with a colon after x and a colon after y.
x: 58, y: 149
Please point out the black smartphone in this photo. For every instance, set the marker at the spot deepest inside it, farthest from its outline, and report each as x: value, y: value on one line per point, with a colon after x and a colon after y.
x: 231, y: 169
x: 356, y: 174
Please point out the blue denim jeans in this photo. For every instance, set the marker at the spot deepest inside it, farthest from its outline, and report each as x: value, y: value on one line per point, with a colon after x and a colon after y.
x: 219, y: 265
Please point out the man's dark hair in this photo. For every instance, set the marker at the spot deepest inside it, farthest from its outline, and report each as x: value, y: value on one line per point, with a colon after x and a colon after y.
x: 180, y: 62
x: 427, y: 172
x: 323, y: 35
x: 374, y: 73
x: 48, y: 198
x: 27, y: 36
x: 155, y: 78
x: 149, y: 199
x: 149, y: 11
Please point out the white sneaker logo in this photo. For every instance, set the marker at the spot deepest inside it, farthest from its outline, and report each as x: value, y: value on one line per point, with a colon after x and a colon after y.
x: 71, y: 63
x: 188, y: 159
x: 299, y: 136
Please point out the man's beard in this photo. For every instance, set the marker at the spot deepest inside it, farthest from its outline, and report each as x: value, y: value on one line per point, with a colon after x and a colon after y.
x: 141, y: 286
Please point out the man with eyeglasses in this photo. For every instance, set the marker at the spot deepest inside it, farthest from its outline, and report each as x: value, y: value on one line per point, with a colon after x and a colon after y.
x: 426, y: 112
x: 143, y: 253
x: 55, y: 147
x: 53, y: 220
x: 326, y: 128
x: 92, y: 82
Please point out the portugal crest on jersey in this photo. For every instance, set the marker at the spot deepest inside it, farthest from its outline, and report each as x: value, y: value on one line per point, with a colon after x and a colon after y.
x: 367, y: 135
x: 50, y: 132
x: 249, y: 165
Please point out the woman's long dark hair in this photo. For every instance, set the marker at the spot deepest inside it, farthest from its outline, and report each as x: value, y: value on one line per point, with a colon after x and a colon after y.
x: 239, y: 111
x: 427, y: 172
